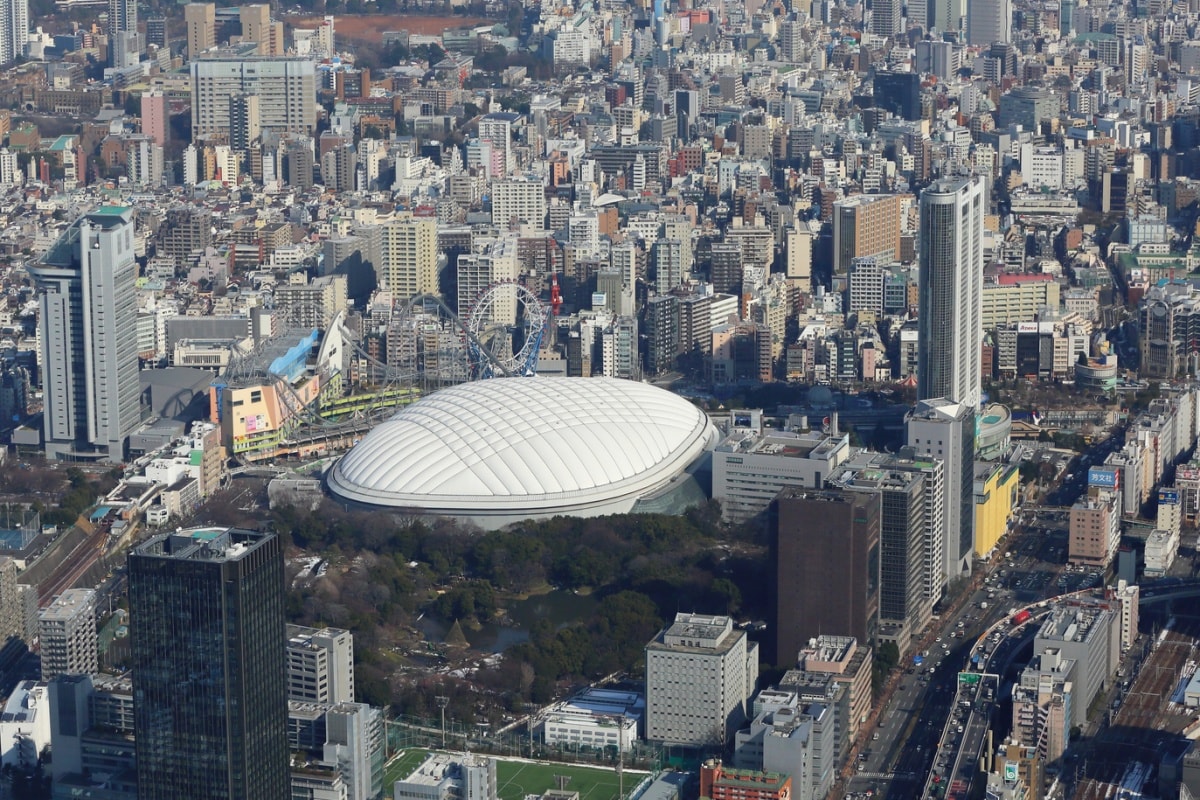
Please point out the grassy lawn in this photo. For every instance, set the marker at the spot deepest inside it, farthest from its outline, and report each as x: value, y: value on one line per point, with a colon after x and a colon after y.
x: 518, y: 778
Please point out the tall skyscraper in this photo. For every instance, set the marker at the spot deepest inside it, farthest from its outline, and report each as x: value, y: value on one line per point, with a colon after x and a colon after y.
x: 902, y: 608
x: 950, y: 290
x: 286, y: 88
x: 988, y: 21
x: 938, y: 428
x: 201, y: 20
x: 68, y: 635
x: 209, y: 668
x: 87, y: 323
x: 14, y: 29
x: 826, y: 550
x: 885, y: 17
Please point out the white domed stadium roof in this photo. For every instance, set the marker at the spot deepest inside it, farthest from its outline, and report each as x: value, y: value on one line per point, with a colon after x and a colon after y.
x: 514, y: 448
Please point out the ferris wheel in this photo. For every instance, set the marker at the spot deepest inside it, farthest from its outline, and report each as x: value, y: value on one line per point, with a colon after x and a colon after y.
x: 505, y: 327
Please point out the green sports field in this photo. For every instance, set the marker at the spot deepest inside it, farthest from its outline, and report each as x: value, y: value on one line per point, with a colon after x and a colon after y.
x: 520, y: 778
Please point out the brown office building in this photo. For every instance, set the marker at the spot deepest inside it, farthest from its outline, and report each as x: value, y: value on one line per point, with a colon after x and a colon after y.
x: 826, y: 548
x: 866, y: 226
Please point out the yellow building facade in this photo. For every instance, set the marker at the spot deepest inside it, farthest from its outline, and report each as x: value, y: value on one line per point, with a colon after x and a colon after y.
x: 997, y: 494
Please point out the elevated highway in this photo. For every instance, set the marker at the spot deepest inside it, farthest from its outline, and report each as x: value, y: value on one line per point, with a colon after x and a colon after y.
x: 956, y: 761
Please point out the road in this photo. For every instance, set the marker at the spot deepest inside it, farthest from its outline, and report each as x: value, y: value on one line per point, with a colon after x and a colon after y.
x: 1031, y: 567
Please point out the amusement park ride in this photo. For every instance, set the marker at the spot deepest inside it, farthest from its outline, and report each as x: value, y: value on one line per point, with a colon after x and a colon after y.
x: 500, y: 335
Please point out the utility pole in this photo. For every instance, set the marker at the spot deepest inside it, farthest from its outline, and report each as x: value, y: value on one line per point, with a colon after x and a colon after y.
x: 442, y: 702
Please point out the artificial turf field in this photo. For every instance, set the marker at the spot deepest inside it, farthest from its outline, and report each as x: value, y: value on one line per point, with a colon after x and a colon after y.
x: 518, y: 778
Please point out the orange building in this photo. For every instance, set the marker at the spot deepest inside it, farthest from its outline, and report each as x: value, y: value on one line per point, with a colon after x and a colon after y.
x: 718, y: 782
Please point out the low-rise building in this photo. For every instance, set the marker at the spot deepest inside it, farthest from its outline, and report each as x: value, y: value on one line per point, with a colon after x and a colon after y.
x: 793, y: 738
x: 442, y: 776
x: 1161, y: 549
x: 844, y: 657
x: 718, y: 782
x: 751, y: 464
x: 597, y: 718
x: 25, y: 725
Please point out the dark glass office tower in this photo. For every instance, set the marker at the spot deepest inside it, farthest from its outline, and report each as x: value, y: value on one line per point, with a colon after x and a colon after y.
x: 209, y: 670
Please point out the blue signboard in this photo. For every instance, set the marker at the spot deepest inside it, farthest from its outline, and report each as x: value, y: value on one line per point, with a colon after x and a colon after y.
x: 1168, y: 497
x: 1103, y: 478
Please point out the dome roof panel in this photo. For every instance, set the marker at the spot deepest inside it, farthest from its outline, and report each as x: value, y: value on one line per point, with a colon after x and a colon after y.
x: 516, y: 442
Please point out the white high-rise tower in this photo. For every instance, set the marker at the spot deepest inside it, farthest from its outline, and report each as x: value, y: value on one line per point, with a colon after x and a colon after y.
x: 14, y: 29
x: 950, y: 286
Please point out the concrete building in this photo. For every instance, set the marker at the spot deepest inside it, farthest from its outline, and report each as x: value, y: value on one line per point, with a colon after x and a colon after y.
x: 700, y: 674
x: 997, y: 492
x: 11, y: 613
x: 718, y: 782
x: 595, y: 718
x: 518, y: 200
x: 354, y: 745
x: 410, y: 257
x: 68, y: 635
x: 201, y: 22
x: 320, y: 665
x: 946, y: 431
x: 92, y: 730
x: 752, y: 464
x: 25, y: 726
x: 1094, y: 531
x: 886, y: 18
x: 445, y: 777
x: 155, y: 117
x: 1127, y: 598
x: 825, y: 545
x: 950, y: 284
x: 1012, y: 299
x: 1161, y: 549
x: 87, y: 326
x: 988, y: 21
x: 866, y: 226
x: 793, y: 738
x: 314, y: 304
x: 1043, y: 705
x: 14, y: 30
x: 1089, y: 635
x: 844, y: 659
x: 286, y: 88
x: 903, y: 613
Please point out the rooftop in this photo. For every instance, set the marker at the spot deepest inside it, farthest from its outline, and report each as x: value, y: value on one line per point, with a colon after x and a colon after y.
x: 203, y: 544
